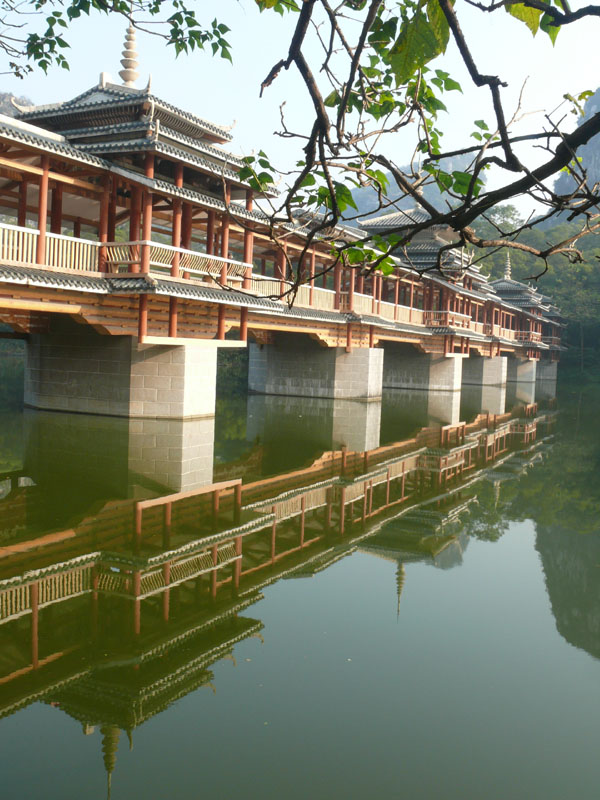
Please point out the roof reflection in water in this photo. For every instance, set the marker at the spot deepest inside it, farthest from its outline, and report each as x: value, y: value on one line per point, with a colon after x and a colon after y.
x: 130, y: 549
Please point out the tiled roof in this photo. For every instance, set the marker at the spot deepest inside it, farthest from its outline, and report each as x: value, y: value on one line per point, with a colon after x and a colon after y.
x: 395, y: 219
x: 39, y: 140
x: 120, y: 96
x: 154, y: 145
x: 70, y: 281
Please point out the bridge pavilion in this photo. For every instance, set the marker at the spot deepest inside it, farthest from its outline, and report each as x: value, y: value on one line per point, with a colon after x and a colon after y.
x: 132, y: 250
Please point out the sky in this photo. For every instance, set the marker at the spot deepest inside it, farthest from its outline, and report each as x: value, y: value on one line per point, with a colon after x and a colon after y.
x: 229, y: 94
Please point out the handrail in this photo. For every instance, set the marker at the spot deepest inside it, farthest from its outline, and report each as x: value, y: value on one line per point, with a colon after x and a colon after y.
x: 19, y: 228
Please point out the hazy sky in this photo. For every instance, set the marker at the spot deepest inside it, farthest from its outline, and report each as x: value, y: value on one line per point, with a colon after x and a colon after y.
x: 225, y: 93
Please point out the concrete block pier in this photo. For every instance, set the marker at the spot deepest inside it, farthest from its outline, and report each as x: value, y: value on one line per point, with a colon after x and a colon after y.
x: 73, y: 368
x: 407, y: 368
x: 521, y: 370
x: 479, y: 371
x: 295, y: 365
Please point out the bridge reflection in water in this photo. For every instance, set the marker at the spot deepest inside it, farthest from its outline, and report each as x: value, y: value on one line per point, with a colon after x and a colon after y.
x: 129, y: 549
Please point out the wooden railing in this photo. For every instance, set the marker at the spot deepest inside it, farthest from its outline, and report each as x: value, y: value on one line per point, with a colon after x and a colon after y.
x: 121, y: 256
x: 446, y: 319
x: 67, y: 252
x: 17, y: 245
x: 527, y: 336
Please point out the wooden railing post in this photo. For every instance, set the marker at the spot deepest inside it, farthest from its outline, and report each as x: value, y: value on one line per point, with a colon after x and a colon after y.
x: 313, y: 258
x: 43, y: 210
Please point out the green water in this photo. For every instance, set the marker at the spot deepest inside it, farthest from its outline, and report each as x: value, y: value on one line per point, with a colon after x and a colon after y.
x: 439, y: 639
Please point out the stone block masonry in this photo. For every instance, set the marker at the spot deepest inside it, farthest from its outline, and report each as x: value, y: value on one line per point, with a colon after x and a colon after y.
x: 522, y: 370
x: 73, y: 368
x: 297, y: 366
x: 406, y: 368
x: 481, y: 371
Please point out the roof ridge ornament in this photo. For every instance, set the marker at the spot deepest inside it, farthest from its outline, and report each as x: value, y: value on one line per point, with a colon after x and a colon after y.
x: 507, y: 268
x: 129, y: 73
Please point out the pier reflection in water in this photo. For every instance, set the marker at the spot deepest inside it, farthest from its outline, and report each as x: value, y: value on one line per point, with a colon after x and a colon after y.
x: 134, y: 559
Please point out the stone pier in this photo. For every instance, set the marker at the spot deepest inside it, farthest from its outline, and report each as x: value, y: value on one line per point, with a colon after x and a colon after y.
x: 481, y: 371
x: 406, y: 368
x: 295, y: 365
x: 547, y: 370
x: 73, y: 368
x: 521, y: 370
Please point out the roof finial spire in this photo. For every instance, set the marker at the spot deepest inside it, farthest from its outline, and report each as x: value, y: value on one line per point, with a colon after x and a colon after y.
x: 129, y: 73
x: 507, y: 268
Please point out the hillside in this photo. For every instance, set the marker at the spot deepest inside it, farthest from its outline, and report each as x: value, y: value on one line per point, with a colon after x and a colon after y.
x: 366, y: 197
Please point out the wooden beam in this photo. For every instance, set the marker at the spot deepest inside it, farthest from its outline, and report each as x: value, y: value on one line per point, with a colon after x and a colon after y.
x: 53, y: 176
x: 39, y: 305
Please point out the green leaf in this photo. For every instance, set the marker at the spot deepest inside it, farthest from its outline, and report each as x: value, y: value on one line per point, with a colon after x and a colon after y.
x: 439, y: 23
x: 416, y: 45
x: 343, y: 195
x: 530, y: 16
x: 332, y: 99
x: 547, y: 27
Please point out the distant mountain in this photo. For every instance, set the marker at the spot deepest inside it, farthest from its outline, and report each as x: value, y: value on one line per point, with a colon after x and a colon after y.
x: 589, y: 153
x: 7, y: 108
x: 367, y: 201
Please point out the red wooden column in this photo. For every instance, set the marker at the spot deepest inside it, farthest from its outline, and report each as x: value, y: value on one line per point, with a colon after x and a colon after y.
x: 176, y: 242
x: 337, y: 284
x: 248, y: 234
x: 352, y: 280
x: 56, y: 209
x: 313, y: 258
x: 103, y: 224
x: 374, y: 293
x: 77, y: 228
x: 225, y: 235
x: 147, y: 215
x: 22, y: 207
x: 396, y: 295
x: 112, y: 210
x: 411, y: 299
x: 135, y: 218
x: 280, y: 270
x: 146, y: 237
x: 210, y: 232
x: 248, y: 259
x: 42, y: 211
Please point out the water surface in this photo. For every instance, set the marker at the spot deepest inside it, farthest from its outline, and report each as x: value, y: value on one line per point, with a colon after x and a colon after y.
x: 410, y: 616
